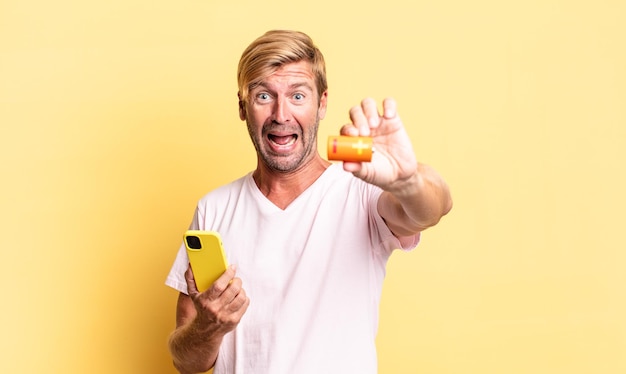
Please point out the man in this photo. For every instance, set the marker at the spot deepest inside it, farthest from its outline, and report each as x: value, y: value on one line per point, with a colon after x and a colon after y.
x: 310, y: 240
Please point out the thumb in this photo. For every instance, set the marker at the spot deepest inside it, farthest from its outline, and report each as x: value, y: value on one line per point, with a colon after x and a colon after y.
x: 192, y: 289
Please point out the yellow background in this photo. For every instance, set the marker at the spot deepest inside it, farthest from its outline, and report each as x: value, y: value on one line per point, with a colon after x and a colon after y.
x: 117, y: 116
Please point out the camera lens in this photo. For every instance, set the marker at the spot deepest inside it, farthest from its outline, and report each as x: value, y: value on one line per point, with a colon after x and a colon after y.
x: 194, y: 242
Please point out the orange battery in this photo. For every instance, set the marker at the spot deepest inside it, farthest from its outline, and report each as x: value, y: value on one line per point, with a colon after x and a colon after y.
x: 350, y: 148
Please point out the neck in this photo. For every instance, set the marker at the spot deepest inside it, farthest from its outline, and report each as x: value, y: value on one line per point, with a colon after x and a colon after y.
x: 282, y: 188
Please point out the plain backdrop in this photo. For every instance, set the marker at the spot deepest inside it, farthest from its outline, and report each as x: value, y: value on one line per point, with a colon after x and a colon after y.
x: 117, y: 116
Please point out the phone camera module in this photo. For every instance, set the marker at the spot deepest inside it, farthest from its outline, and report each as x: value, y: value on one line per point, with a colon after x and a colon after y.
x: 194, y: 242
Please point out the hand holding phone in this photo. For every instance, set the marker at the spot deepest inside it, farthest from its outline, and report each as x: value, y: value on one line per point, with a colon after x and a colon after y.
x: 206, y: 257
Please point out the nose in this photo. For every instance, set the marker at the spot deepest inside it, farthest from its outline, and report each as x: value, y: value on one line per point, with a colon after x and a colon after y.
x: 281, y: 111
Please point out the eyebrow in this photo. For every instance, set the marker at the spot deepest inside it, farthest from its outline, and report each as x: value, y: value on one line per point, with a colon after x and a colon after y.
x: 291, y: 86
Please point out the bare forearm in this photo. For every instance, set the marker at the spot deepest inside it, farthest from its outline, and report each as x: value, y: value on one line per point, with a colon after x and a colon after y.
x: 417, y: 203
x: 193, y: 350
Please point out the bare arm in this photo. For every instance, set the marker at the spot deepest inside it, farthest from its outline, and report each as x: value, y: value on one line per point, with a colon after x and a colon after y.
x: 193, y: 348
x: 417, y: 203
x: 202, y: 320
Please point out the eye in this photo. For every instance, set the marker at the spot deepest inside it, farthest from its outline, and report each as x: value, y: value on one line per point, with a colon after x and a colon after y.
x: 263, y: 96
x: 298, y: 97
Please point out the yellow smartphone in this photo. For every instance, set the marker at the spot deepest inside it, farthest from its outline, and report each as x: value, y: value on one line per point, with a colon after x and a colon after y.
x: 206, y: 256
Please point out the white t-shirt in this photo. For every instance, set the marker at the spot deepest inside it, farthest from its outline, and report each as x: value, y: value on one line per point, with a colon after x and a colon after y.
x: 313, y: 273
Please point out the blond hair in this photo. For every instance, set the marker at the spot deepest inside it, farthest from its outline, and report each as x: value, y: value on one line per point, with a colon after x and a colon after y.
x: 271, y: 51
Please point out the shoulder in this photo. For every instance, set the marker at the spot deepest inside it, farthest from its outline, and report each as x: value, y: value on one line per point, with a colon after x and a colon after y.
x: 215, y: 203
x: 225, y: 190
x: 349, y: 179
x: 340, y: 182
x: 222, y: 196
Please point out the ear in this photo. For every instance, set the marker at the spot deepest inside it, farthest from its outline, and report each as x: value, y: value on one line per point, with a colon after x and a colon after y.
x: 321, y: 111
x: 242, y: 108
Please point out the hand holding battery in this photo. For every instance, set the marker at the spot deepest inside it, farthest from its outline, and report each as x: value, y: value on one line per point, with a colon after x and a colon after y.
x: 375, y: 146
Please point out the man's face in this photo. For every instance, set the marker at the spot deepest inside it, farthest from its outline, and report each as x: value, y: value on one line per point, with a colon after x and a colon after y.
x: 283, y: 114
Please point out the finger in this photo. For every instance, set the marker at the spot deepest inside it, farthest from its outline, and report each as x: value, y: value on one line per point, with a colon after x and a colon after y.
x: 239, y: 302
x: 234, y: 315
x: 231, y: 292
x: 352, y: 167
x: 371, y: 112
x: 221, y: 284
x: 359, y: 120
x: 349, y: 130
x: 192, y: 289
x: 390, y: 108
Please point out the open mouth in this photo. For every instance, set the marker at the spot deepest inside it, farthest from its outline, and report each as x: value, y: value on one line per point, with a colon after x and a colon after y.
x: 282, y: 140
